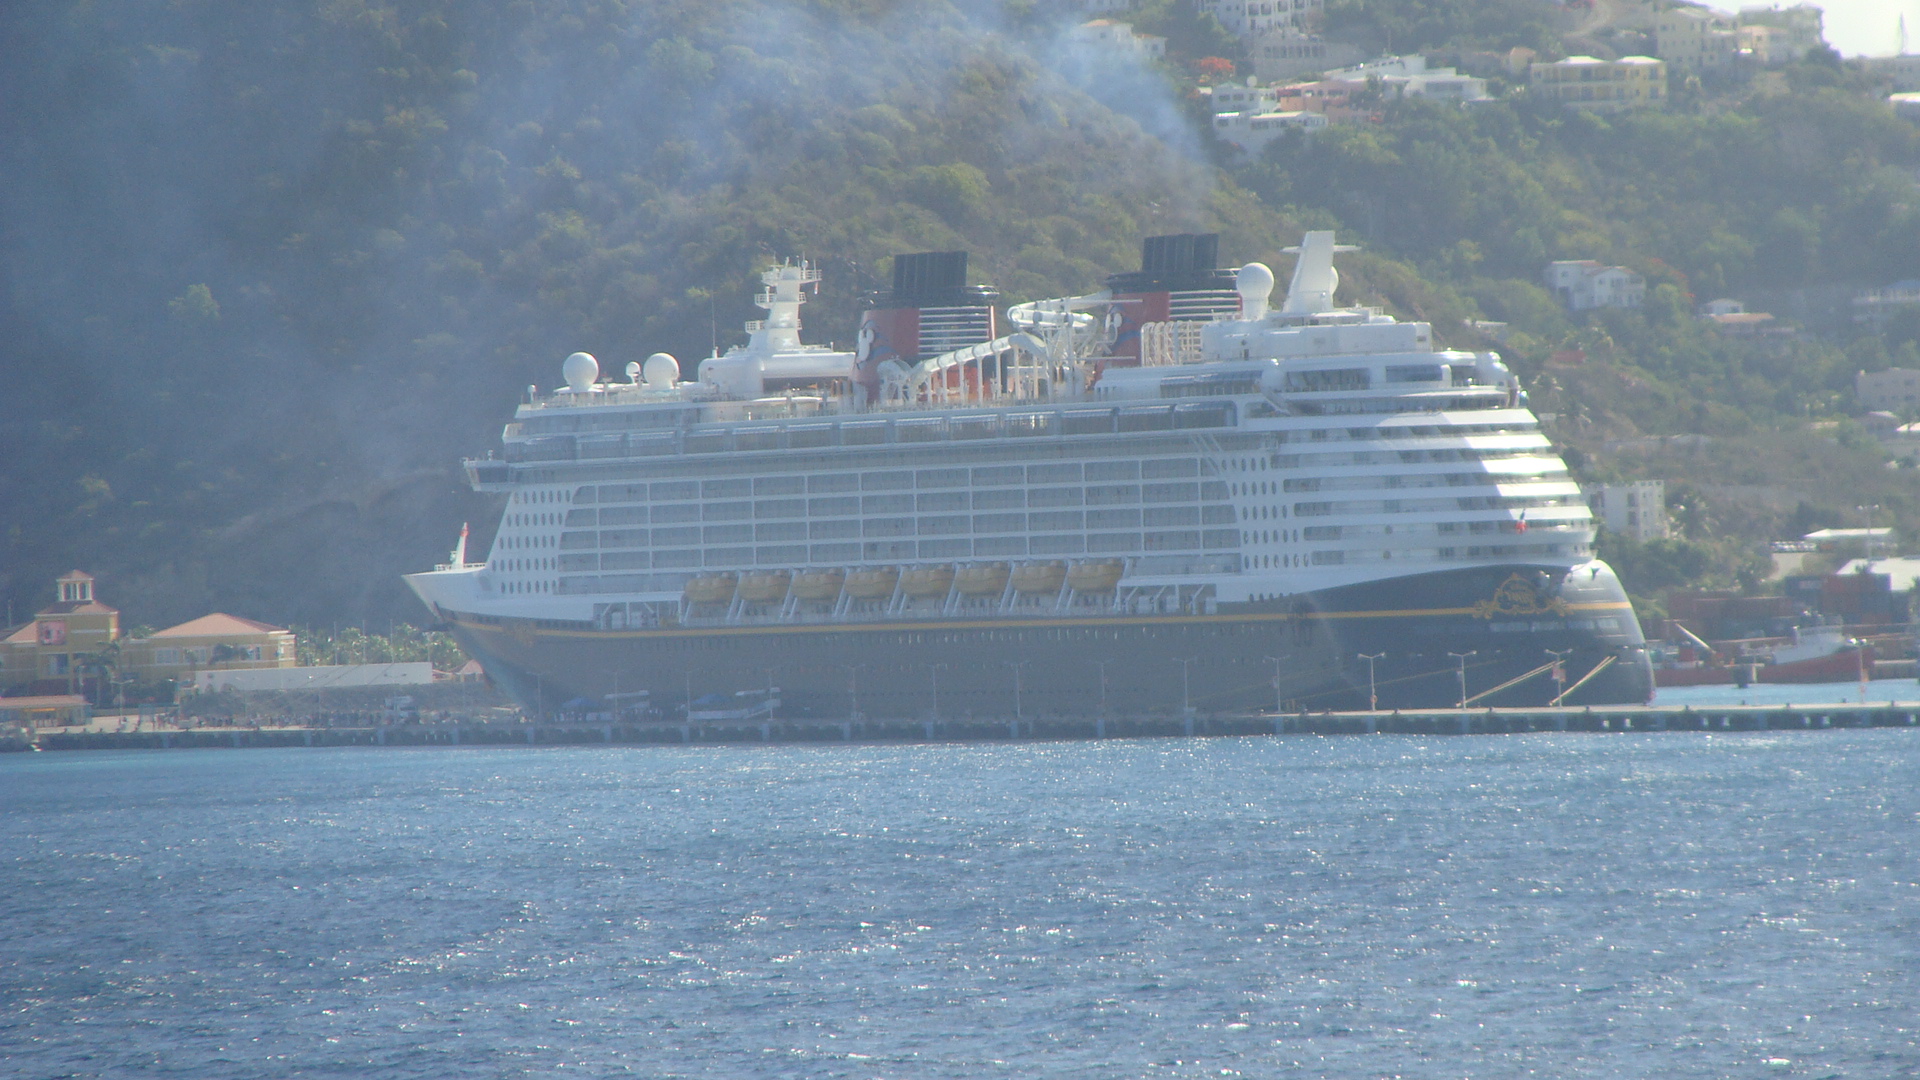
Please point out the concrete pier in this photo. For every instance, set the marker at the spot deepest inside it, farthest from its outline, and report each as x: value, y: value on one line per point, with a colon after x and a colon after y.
x: 870, y: 729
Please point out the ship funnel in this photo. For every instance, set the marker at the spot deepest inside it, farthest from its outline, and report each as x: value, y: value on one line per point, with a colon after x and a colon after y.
x: 930, y: 311
x: 1178, y: 281
x: 1314, y: 278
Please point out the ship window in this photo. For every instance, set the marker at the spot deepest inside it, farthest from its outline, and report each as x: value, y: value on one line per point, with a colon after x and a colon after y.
x: 779, y: 485
x: 1019, y: 424
x: 833, y: 482
x: 1146, y: 419
x: 999, y: 500
x: 863, y: 433
x: 810, y: 435
x: 941, y: 478
x: 885, y: 481
x: 1086, y: 422
x: 932, y: 430
x: 675, y: 489
x: 1053, y: 474
x: 1328, y: 380
x: 975, y: 427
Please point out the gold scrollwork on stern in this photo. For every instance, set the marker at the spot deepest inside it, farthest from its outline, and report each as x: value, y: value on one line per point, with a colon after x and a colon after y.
x: 1518, y: 596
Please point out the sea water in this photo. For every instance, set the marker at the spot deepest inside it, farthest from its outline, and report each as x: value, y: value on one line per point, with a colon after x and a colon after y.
x: 1672, y: 905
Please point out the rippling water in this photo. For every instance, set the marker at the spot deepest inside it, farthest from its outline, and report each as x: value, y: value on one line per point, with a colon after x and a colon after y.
x: 1543, y: 905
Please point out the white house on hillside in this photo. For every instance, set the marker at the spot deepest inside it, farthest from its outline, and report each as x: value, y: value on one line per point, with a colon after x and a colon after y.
x: 1583, y: 284
x: 1253, y: 131
x: 1637, y: 509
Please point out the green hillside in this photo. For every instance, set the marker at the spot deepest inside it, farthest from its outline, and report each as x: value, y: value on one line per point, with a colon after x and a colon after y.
x: 271, y: 269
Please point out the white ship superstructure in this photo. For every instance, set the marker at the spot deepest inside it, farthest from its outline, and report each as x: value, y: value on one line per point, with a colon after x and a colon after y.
x: 1257, y: 465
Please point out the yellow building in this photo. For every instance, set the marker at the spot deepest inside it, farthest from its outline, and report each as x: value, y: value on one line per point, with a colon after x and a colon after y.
x: 1695, y: 39
x: 52, y: 650
x: 1601, y: 86
x: 210, y: 642
x: 73, y: 644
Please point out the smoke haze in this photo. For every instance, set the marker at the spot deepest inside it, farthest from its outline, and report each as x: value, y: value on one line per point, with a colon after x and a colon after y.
x: 271, y: 269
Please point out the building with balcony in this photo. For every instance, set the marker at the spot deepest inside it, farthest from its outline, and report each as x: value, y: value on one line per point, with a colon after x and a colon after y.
x: 1695, y: 40
x: 1252, y: 132
x: 1601, y: 86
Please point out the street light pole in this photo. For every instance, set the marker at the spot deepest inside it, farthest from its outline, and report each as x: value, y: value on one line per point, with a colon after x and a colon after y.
x: 1559, y: 671
x: 1860, y: 656
x: 1277, y: 710
x: 1186, y: 697
x: 933, y: 672
x: 1462, y: 657
x: 853, y: 683
x: 1018, y: 713
x: 1373, y: 693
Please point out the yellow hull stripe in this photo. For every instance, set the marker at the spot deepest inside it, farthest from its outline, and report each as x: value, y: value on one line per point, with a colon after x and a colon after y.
x: 1004, y: 624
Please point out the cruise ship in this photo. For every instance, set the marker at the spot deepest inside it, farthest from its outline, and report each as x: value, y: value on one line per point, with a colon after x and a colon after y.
x: 1168, y: 496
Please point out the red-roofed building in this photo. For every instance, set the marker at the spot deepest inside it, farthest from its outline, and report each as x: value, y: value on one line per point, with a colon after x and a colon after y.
x: 216, y: 641
x: 51, y: 652
x: 74, y: 644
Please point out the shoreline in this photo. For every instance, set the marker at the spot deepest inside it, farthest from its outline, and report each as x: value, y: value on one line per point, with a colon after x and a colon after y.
x: 1491, y: 721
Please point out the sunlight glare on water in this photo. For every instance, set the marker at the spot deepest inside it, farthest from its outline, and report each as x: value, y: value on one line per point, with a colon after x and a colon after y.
x: 1542, y: 905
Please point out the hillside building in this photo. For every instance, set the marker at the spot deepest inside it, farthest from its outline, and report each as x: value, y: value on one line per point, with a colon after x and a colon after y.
x: 1601, y: 86
x: 1583, y: 284
x: 1246, y: 19
x: 1895, y: 390
x: 1875, y: 307
x: 1695, y: 40
x: 1786, y: 34
x: 1120, y: 37
x: 1248, y: 97
x: 1252, y: 132
x: 1409, y: 76
x: 1288, y: 53
x: 1903, y: 70
x: 1637, y: 509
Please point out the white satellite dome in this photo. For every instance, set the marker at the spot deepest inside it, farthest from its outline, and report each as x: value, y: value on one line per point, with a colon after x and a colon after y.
x: 662, y: 371
x: 1254, y: 283
x: 580, y: 371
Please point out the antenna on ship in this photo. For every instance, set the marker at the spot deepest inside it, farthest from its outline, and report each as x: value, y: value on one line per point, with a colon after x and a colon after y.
x: 1314, y: 278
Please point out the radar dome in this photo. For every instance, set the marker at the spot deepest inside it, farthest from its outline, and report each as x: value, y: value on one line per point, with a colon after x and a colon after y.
x: 580, y: 370
x: 633, y: 371
x: 662, y: 371
x: 1254, y: 283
